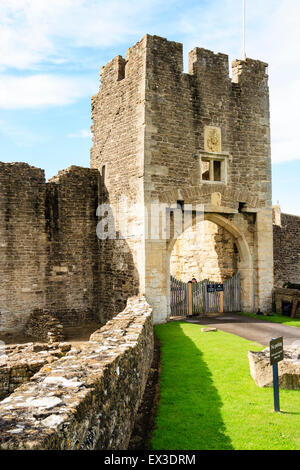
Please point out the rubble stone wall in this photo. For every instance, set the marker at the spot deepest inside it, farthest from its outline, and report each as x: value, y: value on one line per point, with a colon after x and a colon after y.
x: 287, y: 295
x: 286, y: 231
x: 18, y: 363
x: 89, y: 398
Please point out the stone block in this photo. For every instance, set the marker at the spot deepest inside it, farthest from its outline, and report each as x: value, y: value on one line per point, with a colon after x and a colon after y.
x: 288, y: 369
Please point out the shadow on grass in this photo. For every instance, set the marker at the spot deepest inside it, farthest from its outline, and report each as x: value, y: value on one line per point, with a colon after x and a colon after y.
x: 189, y: 413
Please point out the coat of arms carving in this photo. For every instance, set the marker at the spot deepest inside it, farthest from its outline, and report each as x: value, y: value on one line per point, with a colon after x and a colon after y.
x: 212, y: 139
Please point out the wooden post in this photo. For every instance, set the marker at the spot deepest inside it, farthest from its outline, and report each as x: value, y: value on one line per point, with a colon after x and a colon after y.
x: 294, y: 308
x: 221, y: 302
x: 190, y: 299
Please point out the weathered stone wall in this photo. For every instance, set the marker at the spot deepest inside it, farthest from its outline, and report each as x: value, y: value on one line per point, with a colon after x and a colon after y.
x: 23, y: 243
x: 205, y: 252
x: 118, y: 146
x: 179, y: 107
x: 49, y: 247
x: 18, y: 363
x: 89, y: 398
x: 72, y: 272
x: 286, y: 249
x: 42, y: 326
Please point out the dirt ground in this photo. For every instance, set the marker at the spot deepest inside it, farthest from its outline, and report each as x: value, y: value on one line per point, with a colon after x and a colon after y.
x: 73, y: 335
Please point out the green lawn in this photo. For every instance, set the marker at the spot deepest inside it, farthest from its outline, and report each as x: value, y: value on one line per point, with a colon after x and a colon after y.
x: 288, y: 321
x: 209, y: 400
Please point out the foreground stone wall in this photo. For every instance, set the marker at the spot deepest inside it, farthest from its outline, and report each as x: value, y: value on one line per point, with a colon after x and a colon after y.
x: 49, y: 252
x: 89, y: 398
x: 286, y: 229
x: 18, y: 363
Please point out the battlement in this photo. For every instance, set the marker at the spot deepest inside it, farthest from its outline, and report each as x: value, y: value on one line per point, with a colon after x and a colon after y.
x: 249, y: 69
x: 154, y: 51
x: 205, y: 61
x: 114, y: 70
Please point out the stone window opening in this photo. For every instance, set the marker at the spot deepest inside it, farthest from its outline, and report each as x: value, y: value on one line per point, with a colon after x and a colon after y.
x: 213, y: 169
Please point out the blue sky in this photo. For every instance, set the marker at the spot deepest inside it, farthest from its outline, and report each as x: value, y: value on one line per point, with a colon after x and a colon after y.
x: 51, y: 53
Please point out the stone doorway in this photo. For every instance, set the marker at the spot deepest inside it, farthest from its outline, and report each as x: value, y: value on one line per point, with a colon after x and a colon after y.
x: 219, y: 253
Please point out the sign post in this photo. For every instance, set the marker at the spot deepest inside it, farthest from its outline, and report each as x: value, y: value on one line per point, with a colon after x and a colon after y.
x: 276, y: 355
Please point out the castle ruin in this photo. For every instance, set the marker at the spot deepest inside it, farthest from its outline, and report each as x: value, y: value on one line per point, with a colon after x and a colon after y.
x: 161, y: 138
x: 188, y: 150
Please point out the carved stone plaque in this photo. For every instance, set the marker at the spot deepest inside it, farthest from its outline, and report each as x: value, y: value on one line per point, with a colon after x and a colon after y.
x: 212, y: 139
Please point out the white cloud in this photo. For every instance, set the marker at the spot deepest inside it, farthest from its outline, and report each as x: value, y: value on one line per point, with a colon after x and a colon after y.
x: 22, y: 137
x: 278, y: 44
x: 285, y: 119
x: 42, y: 90
x: 35, y: 31
x: 82, y: 134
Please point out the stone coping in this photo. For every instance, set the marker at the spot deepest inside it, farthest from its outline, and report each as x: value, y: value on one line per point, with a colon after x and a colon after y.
x: 18, y: 363
x: 89, y: 398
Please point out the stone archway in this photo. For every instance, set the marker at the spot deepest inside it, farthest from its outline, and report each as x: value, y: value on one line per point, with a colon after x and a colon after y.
x: 245, y: 265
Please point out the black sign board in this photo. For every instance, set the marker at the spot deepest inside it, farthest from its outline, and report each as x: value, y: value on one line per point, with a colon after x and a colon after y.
x: 276, y: 350
x: 219, y: 287
x: 210, y: 288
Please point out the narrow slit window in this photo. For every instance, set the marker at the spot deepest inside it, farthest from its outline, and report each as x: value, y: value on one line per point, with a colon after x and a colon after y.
x: 213, y: 169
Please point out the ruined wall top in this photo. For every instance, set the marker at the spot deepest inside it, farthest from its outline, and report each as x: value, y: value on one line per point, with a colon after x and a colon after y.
x: 200, y: 60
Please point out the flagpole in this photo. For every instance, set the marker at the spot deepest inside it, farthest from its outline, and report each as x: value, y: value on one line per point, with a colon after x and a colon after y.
x: 244, y: 30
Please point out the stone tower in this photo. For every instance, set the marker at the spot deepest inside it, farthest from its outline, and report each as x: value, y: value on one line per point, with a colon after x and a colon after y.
x: 165, y: 138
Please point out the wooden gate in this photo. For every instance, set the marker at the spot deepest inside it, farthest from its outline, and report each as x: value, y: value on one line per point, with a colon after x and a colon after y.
x: 200, y: 301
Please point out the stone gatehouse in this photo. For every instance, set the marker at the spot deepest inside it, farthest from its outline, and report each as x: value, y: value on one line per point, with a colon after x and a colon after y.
x: 164, y: 142
x: 198, y: 139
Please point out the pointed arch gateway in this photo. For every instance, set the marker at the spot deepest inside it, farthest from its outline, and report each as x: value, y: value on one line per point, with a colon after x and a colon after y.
x: 245, y: 265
